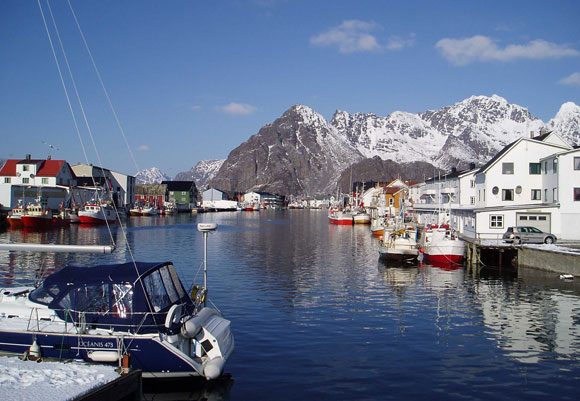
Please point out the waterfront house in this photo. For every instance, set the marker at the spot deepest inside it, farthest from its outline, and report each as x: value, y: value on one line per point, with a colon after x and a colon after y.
x: 29, y: 179
x: 561, y: 188
x: 508, y: 188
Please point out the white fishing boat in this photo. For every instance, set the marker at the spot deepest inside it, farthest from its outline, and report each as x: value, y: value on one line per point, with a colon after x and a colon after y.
x: 399, y: 245
x: 97, y: 212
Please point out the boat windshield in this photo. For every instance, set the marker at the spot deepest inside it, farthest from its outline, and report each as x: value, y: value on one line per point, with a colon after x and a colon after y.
x: 44, y: 295
x: 163, y: 288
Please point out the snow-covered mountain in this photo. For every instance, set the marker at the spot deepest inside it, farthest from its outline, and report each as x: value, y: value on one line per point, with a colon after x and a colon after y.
x: 567, y: 123
x: 301, y: 152
x: 150, y: 176
x: 201, y: 173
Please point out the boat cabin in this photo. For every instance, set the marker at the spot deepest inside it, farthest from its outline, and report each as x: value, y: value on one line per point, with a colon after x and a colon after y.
x: 133, y: 297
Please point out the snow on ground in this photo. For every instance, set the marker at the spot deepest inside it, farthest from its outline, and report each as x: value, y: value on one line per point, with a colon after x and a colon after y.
x: 34, y: 381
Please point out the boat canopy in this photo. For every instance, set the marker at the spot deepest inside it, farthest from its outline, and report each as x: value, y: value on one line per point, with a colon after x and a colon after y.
x: 130, y: 296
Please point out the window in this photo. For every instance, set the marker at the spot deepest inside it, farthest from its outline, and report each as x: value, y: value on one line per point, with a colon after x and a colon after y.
x: 542, y: 218
x: 472, y: 183
x: 472, y: 200
x: 577, y: 163
x: 44, y: 180
x: 25, y: 167
x: 536, y: 194
x: 156, y: 291
x: 495, y: 190
x: 26, y: 180
x: 7, y: 180
x: 545, y: 195
x: 507, y: 194
x: 533, y: 218
x: 545, y: 167
x: 507, y: 168
x: 555, y: 166
x: 496, y: 221
x: 555, y: 194
x: 576, y: 194
x: 535, y: 168
x: 519, y: 189
x: 523, y: 218
x: 391, y: 202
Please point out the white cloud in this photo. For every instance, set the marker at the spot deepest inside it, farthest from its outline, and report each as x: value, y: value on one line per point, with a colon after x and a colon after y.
x: 483, y: 48
x: 398, y: 43
x: 352, y: 36
x: 143, y: 148
x: 572, y: 80
x: 237, y: 109
x: 195, y: 107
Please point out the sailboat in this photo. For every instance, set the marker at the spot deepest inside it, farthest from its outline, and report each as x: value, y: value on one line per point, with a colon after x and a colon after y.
x: 137, y: 315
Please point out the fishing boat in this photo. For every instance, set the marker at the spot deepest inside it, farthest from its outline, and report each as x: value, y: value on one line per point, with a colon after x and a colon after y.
x: 14, y: 218
x: 340, y: 217
x: 148, y: 210
x: 439, y: 244
x: 361, y: 217
x: 97, y: 212
x: 37, y: 217
x: 137, y: 315
x: 399, y: 245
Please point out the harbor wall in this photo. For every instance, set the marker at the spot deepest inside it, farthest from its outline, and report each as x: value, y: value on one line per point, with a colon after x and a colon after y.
x: 554, y: 261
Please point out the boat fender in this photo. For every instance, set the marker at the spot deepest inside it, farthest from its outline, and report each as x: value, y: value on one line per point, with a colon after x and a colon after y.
x: 192, y: 327
x: 103, y: 356
x: 33, y: 353
x: 214, y: 368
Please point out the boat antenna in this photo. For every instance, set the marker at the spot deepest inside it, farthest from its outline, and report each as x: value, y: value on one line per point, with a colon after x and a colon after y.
x: 205, y: 228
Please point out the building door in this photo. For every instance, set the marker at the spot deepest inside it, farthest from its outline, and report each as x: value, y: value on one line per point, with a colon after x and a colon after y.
x: 538, y: 220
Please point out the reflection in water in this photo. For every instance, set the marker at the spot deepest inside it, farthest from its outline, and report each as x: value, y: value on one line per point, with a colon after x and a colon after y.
x: 193, y: 389
x: 317, y: 315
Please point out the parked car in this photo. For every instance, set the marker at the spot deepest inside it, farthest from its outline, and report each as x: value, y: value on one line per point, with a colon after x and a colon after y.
x: 526, y: 234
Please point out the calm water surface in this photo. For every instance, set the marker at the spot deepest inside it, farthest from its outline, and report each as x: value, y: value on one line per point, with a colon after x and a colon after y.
x: 317, y: 316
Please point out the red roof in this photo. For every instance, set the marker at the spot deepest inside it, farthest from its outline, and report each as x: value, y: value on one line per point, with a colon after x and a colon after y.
x: 48, y: 168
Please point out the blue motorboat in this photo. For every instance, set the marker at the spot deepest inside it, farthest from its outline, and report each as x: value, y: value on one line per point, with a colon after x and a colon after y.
x: 136, y: 315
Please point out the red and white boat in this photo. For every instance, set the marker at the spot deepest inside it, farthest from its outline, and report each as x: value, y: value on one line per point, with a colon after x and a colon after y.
x: 37, y: 217
x: 97, y: 213
x: 439, y: 244
x: 340, y: 217
x: 15, y: 217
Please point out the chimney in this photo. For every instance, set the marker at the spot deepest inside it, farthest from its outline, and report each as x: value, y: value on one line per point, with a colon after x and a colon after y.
x: 49, y: 157
x: 28, y: 157
x: 453, y: 170
x: 472, y: 166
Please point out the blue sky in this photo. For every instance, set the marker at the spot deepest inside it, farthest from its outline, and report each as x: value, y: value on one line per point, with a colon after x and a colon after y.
x: 192, y: 80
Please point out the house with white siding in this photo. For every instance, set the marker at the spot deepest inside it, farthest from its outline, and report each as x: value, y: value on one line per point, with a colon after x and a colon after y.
x: 510, y: 188
x: 28, y: 179
x: 561, y: 187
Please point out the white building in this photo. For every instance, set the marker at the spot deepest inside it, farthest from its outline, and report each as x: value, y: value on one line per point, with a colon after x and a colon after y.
x: 29, y: 179
x: 509, y: 187
x: 561, y: 186
x: 120, y: 186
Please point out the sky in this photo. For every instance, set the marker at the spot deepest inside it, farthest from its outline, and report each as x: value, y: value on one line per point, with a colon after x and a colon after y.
x: 169, y: 83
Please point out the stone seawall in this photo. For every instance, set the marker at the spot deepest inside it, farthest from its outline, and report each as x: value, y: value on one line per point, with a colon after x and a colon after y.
x: 550, y: 260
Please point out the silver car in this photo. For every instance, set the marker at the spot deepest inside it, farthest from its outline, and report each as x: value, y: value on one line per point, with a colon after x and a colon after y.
x: 530, y: 235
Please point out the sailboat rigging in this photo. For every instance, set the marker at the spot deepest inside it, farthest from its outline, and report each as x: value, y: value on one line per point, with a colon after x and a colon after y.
x: 138, y: 312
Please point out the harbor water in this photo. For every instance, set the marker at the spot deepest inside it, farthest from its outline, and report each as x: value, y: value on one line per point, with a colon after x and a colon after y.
x: 317, y: 315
